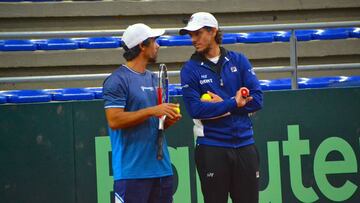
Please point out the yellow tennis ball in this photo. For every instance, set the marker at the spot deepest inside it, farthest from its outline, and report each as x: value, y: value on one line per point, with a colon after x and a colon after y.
x: 206, y: 96
x: 177, y: 109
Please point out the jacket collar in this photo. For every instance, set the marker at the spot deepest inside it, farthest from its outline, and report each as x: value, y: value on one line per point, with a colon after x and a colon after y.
x: 203, y: 61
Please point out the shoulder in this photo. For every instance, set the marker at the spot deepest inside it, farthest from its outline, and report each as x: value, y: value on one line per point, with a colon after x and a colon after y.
x: 239, y: 56
x: 187, y: 69
x: 150, y: 73
x: 189, y: 66
x: 115, y: 78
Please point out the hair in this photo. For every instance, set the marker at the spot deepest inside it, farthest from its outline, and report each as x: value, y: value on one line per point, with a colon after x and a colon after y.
x: 132, y: 53
x: 218, y: 36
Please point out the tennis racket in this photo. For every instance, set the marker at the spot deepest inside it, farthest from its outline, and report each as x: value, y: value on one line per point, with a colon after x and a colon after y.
x: 163, y: 97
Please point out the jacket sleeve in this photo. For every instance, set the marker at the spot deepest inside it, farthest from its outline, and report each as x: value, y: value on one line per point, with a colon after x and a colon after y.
x: 252, y: 83
x: 191, y: 96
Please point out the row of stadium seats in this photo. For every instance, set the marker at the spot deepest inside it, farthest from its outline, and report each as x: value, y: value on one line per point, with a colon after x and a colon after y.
x: 68, y: 94
x: 228, y: 38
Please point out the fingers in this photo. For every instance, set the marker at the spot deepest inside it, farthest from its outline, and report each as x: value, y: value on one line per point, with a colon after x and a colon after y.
x: 214, y: 97
x: 248, y: 99
x: 170, y: 110
x: 211, y: 94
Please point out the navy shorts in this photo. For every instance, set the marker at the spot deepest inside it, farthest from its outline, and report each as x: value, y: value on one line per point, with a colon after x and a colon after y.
x: 149, y: 190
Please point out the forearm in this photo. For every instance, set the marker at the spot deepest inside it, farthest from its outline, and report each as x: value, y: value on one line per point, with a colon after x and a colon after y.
x: 122, y: 119
x: 208, y: 110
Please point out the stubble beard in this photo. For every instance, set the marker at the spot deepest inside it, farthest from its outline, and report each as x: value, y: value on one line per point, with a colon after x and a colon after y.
x: 204, y: 51
x: 152, y: 60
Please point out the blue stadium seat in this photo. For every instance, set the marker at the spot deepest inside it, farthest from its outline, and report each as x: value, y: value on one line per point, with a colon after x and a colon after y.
x: 98, y: 42
x: 98, y: 91
x: 178, y: 40
x: 283, y: 83
x: 350, y: 81
x: 17, y: 45
x: 301, y: 35
x: 26, y: 96
x: 172, y: 90
x: 265, y: 84
x: 118, y: 39
x: 3, y: 99
x: 56, y: 44
x: 320, y: 82
x: 280, y: 84
x: 229, y: 38
x: 334, y: 33
x: 256, y: 37
x: 355, y: 32
x: 175, y: 90
x: 178, y: 89
x: 68, y: 94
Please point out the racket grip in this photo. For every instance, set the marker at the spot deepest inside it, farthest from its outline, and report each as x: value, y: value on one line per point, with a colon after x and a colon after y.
x: 159, y: 144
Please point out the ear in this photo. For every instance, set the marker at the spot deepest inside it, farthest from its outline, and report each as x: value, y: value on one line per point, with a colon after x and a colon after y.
x: 142, y: 47
x: 213, y: 31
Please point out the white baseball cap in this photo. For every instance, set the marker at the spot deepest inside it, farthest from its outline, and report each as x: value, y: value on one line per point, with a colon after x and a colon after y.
x: 198, y: 21
x: 137, y: 33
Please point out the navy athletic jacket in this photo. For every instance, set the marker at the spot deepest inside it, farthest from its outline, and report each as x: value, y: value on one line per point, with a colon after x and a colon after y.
x: 223, y: 123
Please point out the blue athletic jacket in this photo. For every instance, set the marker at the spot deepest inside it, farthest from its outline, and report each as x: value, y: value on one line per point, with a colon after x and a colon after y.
x: 222, y: 123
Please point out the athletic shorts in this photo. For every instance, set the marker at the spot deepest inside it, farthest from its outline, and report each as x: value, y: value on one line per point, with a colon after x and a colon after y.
x: 149, y: 190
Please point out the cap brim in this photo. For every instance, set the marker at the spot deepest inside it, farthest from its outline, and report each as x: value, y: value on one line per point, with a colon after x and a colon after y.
x: 157, y: 32
x: 188, y: 29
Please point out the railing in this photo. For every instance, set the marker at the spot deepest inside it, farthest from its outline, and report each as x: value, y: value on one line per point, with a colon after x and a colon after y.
x: 227, y: 29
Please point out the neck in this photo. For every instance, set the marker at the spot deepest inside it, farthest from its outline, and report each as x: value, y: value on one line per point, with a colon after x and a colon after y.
x: 138, y: 64
x: 213, y: 51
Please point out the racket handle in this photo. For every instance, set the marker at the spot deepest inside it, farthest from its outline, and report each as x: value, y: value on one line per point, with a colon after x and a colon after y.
x: 159, y: 144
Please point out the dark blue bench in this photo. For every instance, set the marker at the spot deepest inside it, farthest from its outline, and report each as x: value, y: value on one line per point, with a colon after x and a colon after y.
x: 69, y: 94
x: 256, y: 37
x: 301, y: 35
x: 3, y: 99
x: 318, y: 82
x: 98, y: 42
x: 17, y: 45
x: 177, y: 40
x: 355, y: 33
x: 331, y: 34
x: 175, y: 89
x: 98, y: 91
x: 56, y: 44
x: 26, y: 96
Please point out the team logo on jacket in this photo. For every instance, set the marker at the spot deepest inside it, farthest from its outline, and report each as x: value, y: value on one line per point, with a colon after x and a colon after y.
x: 233, y: 69
x: 143, y: 88
x: 205, y: 81
x: 252, y: 71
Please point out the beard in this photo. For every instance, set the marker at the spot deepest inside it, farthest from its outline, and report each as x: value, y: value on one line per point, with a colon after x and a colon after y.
x: 204, y: 51
x: 152, y: 59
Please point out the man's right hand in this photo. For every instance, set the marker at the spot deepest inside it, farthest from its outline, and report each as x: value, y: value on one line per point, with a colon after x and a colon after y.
x: 167, y: 109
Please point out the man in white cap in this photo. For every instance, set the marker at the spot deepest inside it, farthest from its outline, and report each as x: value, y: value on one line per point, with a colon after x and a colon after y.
x: 226, y: 157
x: 132, y: 113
